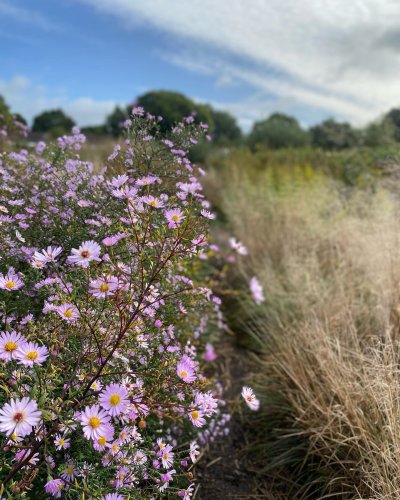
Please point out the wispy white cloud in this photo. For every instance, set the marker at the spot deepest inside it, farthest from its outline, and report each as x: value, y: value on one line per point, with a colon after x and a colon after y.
x: 29, y: 99
x: 337, y: 56
x: 17, y: 13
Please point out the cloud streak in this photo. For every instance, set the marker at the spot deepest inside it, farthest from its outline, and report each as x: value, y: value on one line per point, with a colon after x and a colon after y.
x: 336, y: 56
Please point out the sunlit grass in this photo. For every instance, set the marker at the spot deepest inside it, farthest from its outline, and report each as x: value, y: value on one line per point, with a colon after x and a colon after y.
x: 328, y: 257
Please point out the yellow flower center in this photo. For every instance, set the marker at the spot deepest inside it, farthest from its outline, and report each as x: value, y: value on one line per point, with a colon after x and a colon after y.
x: 115, y: 448
x: 69, y: 470
x: 195, y: 414
x: 10, y: 284
x: 14, y: 436
x: 104, y: 287
x: 94, y: 422
x: 102, y: 440
x: 175, y: 218
x: 115, y: 399
x: 153, y: 203
x: 10, y: 346
x: 61, y: 442
x: 184, y: 373
x: 68, y: 313
x: 32, y: 355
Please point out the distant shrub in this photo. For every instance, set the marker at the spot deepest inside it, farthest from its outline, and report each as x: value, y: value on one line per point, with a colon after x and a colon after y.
x: 333, y: 135
x: 277, y: 132
x: 114, y: 124
x: 173, y: 107
x: 55, y: 121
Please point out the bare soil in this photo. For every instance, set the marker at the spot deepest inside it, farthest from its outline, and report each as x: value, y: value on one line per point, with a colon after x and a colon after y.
x: 223, y: 472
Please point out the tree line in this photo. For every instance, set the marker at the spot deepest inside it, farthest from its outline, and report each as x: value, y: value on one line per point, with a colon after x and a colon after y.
x: 275, y: 132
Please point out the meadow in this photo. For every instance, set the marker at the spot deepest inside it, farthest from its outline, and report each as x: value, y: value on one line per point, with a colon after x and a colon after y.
x: 326, y: 338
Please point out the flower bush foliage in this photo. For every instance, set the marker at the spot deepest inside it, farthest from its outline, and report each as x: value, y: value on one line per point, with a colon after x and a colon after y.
x: 106, y: 315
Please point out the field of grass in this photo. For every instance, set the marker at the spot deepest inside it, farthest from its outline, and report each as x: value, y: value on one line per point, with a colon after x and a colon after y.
x: 327, y: 336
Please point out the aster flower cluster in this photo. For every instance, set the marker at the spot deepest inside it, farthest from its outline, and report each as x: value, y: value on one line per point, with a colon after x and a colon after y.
x: 106, y: 317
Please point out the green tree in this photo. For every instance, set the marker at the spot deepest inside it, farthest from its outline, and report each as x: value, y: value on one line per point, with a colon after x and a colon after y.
x: 4, y: 109
x: 278, y: 131
x: 393, y: 118
x: 226, y: 129
x: 55, y: 121
x: 94, y: 130
x: 331, y: 134
x: 380, y: 134
x: 173, y: 106
x: 115, y: 120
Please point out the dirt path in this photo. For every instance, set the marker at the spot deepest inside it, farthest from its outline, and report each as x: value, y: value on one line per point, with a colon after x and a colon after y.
x: 223, y: 473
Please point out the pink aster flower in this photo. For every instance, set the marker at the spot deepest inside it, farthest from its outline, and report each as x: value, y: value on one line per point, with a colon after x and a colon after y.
x: 166, y: 478
x: 174, y: 217
x: 139, y: 457
x: 188, y: 493
x: 209, y: 354
x: 114, y: 399
x: 37, y: 264
x: 9, y: 343
x: 100, y: 443
x: 48, y: 255
x: 152, y: 201
x: 238, y: 246
x: 19, y: 416
x: 113, y: 496
x: 167, y: 456
x: 30, y: 353
x: 11, y: 281
x: 55, y: 487
x: 21, y: 454
x: 206, y: 402
x: 256, y: 290
x: 118, y: 181
x: 185, y: 371
x: 197, y: 418
x: 68, y: 312
x: 110, y: 241
x: 194, y: 451
x: 147, y: 180
x: 94, y: 422
x: 250, y: 398
x: 69, y: 473
x: 88, y: 251
x: 103, y: 287
x: 207, y: 214
x: 61, y: 442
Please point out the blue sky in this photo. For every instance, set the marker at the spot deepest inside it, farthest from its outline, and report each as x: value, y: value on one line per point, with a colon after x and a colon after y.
x: 313, y: 59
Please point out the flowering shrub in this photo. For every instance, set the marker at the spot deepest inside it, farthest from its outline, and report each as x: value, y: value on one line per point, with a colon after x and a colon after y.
x: 106, y: 312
